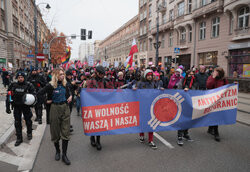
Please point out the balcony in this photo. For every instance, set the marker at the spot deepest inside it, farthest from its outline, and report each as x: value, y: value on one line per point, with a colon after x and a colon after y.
x: 241, y: 33
x: 201, y: 10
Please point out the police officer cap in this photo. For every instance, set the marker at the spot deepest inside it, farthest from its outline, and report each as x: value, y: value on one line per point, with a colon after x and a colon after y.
x: 68, y: 72
x: 100, y: 69
x: 20, y: 74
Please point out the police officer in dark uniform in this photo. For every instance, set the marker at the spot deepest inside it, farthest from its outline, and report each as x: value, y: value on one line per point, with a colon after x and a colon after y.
x: 98, y: 82
x: 16, y: 93
x: 38, y: 82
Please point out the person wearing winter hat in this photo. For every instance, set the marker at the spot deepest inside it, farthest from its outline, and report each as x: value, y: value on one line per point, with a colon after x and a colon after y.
x: 120, y: 80
x: 80, y: 84
x: 188, y: 83
x: 147, y: 83
x: 175, y: 80
x: 98, y: 82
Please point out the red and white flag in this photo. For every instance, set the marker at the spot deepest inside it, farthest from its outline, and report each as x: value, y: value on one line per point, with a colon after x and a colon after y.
x: 133, y: 50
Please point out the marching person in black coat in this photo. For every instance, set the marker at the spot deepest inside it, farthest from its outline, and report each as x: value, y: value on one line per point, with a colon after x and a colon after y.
x: 98, y: 82
x: 38, y: 82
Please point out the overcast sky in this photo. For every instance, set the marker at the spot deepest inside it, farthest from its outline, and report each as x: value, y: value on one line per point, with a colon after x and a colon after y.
x: 101, y: 16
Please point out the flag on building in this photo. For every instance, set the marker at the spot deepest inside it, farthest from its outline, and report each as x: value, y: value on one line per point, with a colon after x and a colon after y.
x: 133, y: 50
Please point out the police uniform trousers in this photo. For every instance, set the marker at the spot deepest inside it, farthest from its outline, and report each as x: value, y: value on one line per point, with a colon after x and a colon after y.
x: 39, y: 107
x: 18, y: 111
x: 59, y: 122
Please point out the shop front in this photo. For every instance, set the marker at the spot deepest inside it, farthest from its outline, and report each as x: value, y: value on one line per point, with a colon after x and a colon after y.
x: 239, y: 65
x: 208, y: 58
x: 185, y: 61
x: 2, y: 62
x: 239, y: 60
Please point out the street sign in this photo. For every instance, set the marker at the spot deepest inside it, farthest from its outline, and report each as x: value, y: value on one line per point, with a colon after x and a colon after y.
x: 45, y: 51
x: 30, y: 56
x: 40, y: 57
x: 176, y: 50
x: 45, y: 45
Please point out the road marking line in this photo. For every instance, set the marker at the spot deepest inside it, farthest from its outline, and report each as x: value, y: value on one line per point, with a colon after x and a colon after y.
x: 163, y: 140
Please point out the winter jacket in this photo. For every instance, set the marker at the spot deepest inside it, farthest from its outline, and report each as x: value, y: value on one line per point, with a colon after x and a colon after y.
x: 189, y: 82
x: 215, y: 83
x: 201, y: 79
x: 175, y: 82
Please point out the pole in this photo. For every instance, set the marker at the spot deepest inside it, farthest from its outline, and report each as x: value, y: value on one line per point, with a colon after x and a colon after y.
x: 157, y: 40
x: 35, y: 29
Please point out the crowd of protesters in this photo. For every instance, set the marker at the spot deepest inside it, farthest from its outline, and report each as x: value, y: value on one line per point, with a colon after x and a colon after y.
x: 152, y: 77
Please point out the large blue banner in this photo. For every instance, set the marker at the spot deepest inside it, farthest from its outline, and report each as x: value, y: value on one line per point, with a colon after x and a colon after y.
x: 122, y: 111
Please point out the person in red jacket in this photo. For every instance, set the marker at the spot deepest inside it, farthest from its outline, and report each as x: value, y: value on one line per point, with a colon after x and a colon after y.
x: 217, y: 79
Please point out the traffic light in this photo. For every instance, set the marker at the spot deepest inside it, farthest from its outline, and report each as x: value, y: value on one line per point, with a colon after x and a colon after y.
x: 83, y: 34
x: 90, y: 34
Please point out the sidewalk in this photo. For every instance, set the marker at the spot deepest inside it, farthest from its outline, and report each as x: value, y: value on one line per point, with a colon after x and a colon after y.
x: 243, y: 115
x: 6, y: 120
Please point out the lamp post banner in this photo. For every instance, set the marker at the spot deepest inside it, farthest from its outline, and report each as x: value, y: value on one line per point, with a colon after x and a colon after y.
x: 123, y: 111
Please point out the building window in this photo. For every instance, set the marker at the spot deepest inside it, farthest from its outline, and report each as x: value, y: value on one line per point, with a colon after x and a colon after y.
x: 150, y: 45
x: 243, y: 17
x: 171, y: 15
x: 164, y: 18
x: 215, y: 27
x: 231, y: 27
x: 149, y: 25
x: 145, y: 14
x: 170, y: 39
x: 150, y: 11
x: 181, y: 8
x: 2, y: 21
x: 144, y: 46
x: 189, y: 6
x: 203, y: 2
x: 141, y: 3
x: 190, y: 34
x: 202, y: 30
x: 163, y: 41
x: 208, y: 58
x: 2, y: 4
x: 183, y: 34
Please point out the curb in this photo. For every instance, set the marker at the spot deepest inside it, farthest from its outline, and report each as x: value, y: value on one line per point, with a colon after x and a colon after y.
x: 7, y: 135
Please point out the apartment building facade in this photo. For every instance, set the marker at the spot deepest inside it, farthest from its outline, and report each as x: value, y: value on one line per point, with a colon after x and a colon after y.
x: 208, y: 32
x: 17, y: 38
x: 116, y: 47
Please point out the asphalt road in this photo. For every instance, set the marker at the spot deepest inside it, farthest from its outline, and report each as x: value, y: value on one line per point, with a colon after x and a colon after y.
x: 126, y: 153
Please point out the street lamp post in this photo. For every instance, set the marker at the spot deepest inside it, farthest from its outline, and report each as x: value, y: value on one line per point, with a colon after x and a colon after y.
x: 157, y: 44
x: 35, y: 27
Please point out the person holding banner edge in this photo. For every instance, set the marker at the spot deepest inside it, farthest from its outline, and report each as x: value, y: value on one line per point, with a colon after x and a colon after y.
x: 98, y: 81
x: 217, y: 79
x: 188, y: 84
x: 147, y: 83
